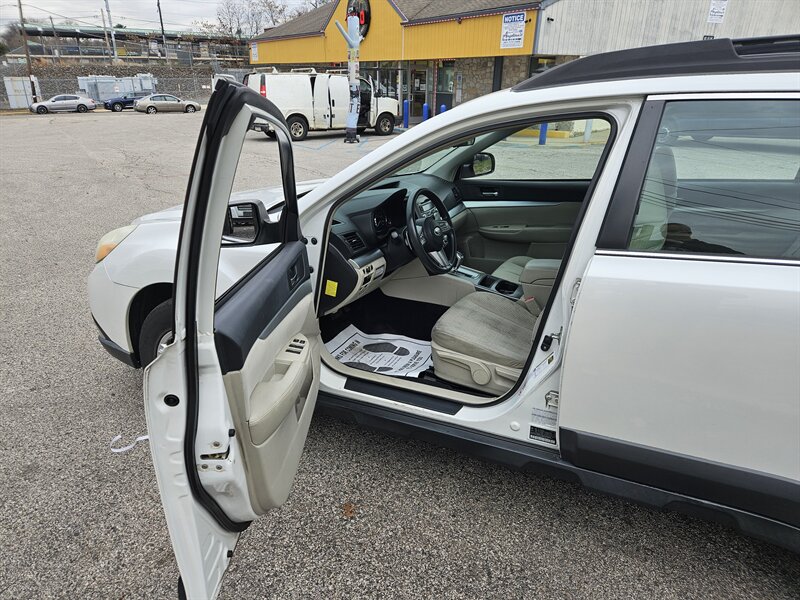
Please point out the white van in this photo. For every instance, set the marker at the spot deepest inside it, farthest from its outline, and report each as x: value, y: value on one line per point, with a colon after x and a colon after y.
x: 320, y: 101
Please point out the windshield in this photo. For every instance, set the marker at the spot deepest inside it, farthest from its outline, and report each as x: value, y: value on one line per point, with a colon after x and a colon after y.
x: 426, y: 162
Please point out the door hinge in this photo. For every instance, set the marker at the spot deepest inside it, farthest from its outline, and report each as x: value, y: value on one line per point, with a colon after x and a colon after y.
x: 574, y: 294
x: 551, y: 398
x: 547, y: 340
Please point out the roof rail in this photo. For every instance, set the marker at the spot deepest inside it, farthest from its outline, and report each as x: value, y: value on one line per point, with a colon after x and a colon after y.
x: 337, y: 71
x: 752, y: 55
x: 303, y: 70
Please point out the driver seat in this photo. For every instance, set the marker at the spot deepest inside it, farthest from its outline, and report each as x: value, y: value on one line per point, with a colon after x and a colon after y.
x: 482, y: 342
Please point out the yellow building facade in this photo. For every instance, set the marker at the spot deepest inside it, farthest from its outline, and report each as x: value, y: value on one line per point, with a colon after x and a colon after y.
x: 436, y: 53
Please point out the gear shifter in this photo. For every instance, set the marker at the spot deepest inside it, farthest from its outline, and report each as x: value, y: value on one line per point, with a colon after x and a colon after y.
x: 459, y: 258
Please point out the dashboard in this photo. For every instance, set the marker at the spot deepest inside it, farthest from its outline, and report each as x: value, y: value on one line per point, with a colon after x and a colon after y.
x: 366, y: 242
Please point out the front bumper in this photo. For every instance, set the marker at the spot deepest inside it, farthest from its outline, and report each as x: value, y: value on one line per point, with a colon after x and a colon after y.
x: 115, y: 350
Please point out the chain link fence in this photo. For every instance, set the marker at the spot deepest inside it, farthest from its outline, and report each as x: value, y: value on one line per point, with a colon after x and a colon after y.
x: 195, y: 87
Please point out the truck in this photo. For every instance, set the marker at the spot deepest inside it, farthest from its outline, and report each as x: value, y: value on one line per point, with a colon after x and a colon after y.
x: 312, y: 101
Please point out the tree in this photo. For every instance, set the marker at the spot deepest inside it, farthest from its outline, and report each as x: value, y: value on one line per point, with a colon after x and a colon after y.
x: 3, y: 48
x: 120, y: 26
x: 275, y: 12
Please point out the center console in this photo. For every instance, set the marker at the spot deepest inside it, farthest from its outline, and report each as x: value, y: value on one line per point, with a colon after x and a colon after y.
x: 490, y: 283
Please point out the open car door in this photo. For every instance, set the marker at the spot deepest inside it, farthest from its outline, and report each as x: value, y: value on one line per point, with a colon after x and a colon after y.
x: 229, y: 401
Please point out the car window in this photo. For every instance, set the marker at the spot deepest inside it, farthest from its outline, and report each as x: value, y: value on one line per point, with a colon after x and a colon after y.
x: 58, y: 98
x: 562, y: 150
x: 156, y: 98
x: 723, y: 178
x: 170, y: 98
x: 71, y: 97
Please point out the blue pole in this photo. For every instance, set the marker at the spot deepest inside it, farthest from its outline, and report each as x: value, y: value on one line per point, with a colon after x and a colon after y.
x: 405, y: 114
x: 542, y: 134
x: 426, y: 112
x: 442, y: 108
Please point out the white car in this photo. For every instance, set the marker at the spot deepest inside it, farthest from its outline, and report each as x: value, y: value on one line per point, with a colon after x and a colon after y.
x: 623, y: 310
x: 63, y: 103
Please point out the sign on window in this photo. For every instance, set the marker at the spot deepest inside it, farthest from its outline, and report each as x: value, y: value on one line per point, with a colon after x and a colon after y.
x: 254, y: 52
x: 512, y: 35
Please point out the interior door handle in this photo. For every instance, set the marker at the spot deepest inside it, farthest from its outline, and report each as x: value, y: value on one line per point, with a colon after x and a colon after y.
x: 294, y: 276
x: 489, y: 193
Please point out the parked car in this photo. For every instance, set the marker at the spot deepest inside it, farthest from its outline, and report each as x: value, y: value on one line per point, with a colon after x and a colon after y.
x: 312, y: 101
x: 63, y: 103
x: 120, y: 103
x: 622, y: 313
x: 165, y: 103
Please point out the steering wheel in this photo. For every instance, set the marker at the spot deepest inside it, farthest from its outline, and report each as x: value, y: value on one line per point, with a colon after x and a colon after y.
x: 431, y: 237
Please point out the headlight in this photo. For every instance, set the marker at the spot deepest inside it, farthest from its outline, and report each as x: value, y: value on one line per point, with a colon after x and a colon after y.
x: 111, y: 240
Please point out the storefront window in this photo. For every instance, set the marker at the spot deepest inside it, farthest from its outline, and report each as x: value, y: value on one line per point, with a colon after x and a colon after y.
x: 445, y: 84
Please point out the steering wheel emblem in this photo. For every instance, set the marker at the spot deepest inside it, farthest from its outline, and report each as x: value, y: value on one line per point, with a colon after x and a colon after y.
x: 437, y: 231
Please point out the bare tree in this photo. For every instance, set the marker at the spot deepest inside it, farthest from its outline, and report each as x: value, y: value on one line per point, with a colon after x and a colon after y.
x: 305, y: 7
x: 275, y: 11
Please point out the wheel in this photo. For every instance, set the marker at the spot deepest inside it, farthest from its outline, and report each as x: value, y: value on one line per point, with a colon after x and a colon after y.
x: 42, y: 110
x: 385, y: 124
x: 190, y: 109
x: 151, y: 110
x: 117, y: 107
x: 82, y: 108
x: 298, y: 128
x: 270, y: 134
x: 155, y: 333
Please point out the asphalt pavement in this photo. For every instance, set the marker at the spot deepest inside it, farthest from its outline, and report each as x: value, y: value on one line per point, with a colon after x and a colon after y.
x: 370, y: 516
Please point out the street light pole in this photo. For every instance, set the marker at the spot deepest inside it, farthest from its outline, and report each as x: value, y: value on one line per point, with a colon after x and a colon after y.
x: 111, y: 25
x: 27, y: 51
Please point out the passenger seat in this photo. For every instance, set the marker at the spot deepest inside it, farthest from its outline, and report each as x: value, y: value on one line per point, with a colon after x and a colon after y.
x: 512, y: 268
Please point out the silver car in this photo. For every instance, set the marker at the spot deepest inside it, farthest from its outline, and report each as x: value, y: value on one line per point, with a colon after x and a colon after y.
x: 63, y: 103
x: 165, y: 103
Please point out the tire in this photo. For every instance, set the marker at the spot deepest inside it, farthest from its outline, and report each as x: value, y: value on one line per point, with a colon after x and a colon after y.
x: 82, y: 108
x: 270, y: 134
x: 191, y: 109
x: 117, y: 107
x: 42, y: 110
x: 156, y: 328
x: 151, y: 110
x: 298, y: 128
x: 385, y: 124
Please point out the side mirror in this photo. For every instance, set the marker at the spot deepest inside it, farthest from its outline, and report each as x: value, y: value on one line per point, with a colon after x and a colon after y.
x: 242, y: 224
x: 482, y: 164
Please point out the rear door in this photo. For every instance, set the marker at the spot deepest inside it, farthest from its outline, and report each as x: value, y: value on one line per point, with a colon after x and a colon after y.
x: 321, y: 101
x: 171, y: 104
x: 681, y: 365
x: 229, y: 401
x: 340, y: 101
x: 528, y: 204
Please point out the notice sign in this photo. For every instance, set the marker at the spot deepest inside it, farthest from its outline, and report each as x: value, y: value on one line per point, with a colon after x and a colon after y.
x: 512, y: 35
x: 716, y: 11
x: 254, y: 52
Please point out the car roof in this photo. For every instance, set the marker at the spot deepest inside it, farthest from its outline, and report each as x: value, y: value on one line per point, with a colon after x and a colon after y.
x: 705, y: 57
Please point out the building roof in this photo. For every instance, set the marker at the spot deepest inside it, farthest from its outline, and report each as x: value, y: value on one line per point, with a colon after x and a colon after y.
x: 411, y: 12
x: 424, y: 11
x: 313, y: 22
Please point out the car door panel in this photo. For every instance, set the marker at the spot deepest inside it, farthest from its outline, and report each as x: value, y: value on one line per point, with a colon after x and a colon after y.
x: 517, y: 218
x: 229, y: 401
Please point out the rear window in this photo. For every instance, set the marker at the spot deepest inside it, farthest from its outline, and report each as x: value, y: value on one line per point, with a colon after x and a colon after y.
x: 723, y: 178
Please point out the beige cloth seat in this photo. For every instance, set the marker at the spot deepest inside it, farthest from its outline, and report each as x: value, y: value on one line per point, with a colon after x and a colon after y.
x: 511, y: 269
x: 482, y: 342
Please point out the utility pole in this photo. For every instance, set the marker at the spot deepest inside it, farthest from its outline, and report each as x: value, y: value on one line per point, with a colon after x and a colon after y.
x: 111, y: 26
x: 55, y: 38
x: 27, y: 51
x: 163, y: 35
x: 105, y: 31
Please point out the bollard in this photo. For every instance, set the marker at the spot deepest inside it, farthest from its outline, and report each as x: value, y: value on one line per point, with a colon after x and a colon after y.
x: 405, y: 114
x: 542, y: 134
x: 426, y: 112
x: 442, y: 108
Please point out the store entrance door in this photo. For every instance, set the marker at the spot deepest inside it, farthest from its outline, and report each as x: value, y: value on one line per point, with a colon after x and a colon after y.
x: 417, y: 93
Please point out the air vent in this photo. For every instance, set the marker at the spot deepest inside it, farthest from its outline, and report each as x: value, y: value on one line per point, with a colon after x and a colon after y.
x: 354, y: 241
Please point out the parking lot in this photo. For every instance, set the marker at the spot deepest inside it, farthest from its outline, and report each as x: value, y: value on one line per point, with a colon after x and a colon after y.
x: 370, y: 516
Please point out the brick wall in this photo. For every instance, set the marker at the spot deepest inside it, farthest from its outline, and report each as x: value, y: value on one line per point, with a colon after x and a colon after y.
x: 476, y: 76
x: 515, y: 69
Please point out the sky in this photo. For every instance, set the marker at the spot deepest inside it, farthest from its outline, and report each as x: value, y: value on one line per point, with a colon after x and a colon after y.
x: 178, y: 14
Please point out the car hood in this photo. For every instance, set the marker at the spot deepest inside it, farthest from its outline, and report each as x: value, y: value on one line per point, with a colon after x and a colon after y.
x: 271, y: 198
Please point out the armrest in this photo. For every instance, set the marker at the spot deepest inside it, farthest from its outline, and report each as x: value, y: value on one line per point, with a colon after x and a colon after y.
x: 540, y: 268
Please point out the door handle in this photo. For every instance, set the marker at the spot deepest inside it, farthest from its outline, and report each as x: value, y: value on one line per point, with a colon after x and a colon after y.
x: 492, y: 193
x: 293, y: 275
